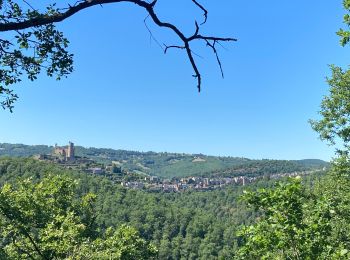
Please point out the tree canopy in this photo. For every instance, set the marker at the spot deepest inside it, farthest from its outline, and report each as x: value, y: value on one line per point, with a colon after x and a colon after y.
x: 188, y: 225
x: 344, y: 34
x: 41, y: 46
x: 45, y: 220
x: 334, y: 125
x: 300, y: 222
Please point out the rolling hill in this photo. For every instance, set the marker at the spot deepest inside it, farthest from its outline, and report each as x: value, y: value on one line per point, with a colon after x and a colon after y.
x: 169, y: 165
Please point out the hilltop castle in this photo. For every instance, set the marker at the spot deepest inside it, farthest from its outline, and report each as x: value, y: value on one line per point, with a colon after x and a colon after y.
x: 66, y: 152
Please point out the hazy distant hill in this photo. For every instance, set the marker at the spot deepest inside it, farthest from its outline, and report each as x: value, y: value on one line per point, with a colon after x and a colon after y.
x: 22, y: 150
x: 168, y: 165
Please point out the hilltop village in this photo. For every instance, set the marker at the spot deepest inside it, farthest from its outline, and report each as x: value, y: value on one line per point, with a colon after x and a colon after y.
x: 66, y: 157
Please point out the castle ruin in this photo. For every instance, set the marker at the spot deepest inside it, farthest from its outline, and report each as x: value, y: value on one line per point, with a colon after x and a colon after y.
x: 65, y: 152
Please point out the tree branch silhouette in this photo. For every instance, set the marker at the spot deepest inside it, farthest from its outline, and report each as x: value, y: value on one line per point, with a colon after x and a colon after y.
x: 36, y: 20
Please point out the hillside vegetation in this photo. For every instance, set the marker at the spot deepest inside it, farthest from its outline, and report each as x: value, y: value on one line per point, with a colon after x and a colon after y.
x: 190, y: 225
x: 169, y: 165
x: 74, y: 215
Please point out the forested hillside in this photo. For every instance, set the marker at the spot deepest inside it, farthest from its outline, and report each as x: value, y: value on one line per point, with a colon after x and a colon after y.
x: 168, y: 165
x: 189, y: 225
x: 255, y: 168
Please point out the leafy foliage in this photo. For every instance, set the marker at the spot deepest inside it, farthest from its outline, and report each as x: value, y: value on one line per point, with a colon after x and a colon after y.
x: 334, y: 125
x: 278, y: 233
x: 335, y: 110
x: 42, y: 48
x: 296, y: 222
x: 190, y: 225
x: 44, y: 220
x: 345, y: 34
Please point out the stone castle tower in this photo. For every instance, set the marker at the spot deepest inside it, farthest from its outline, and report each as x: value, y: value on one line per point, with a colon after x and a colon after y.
x: 67, y: 153
x: 70, y: 152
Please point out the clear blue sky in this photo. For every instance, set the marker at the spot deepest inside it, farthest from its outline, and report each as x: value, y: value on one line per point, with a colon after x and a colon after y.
x: 126, y: 94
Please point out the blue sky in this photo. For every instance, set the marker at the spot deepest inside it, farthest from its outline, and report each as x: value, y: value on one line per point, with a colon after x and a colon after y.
x: 126, y: 94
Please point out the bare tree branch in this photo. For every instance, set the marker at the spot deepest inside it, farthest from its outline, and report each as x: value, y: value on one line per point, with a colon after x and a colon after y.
x: 29, y: 4
x: 151, y: 34
x: 60, y: 15
x: 172, y: 46
x: 203, y: 9
x: 186, y: 41
x: 212, y: 46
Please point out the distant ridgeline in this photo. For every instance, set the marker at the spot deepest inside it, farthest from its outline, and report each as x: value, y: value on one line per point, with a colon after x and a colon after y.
x: 265, y: 167
x: 169, y: 165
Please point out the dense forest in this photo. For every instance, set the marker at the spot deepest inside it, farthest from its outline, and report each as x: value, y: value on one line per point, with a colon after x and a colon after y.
x: 189, y: 225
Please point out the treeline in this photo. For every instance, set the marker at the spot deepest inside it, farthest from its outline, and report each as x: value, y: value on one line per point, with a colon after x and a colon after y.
x: 22, y: 150
x: 255, y: 168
